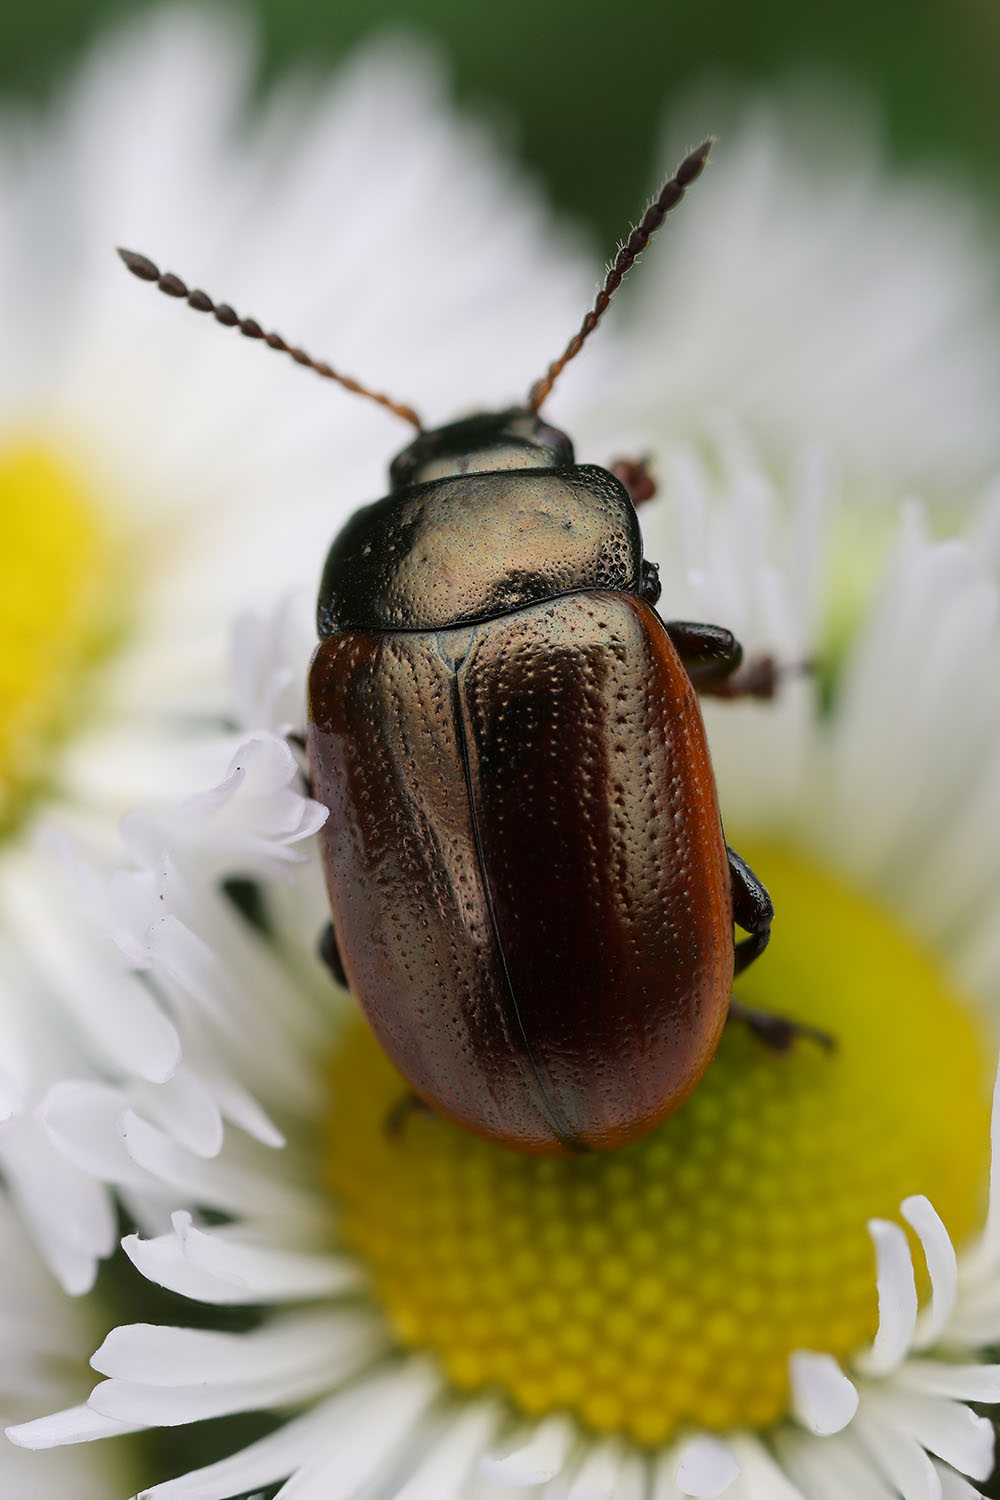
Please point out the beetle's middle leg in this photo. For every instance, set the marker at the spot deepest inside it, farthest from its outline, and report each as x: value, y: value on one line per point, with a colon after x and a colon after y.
x: 753, y: 910
x: 713, y: 659
x: 329, y: 952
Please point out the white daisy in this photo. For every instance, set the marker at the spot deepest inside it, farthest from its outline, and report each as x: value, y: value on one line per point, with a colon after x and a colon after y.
x: 730, y: 1306
x: 154, y: 471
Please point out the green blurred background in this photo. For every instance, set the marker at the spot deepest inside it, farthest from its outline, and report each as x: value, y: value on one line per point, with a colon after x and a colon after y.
x: 581, y: 86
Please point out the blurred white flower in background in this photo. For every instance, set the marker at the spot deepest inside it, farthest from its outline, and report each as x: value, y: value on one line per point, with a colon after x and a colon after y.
x: 815, y: 295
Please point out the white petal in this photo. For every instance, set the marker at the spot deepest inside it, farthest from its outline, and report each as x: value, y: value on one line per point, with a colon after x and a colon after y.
x: 533, y: 1455
x: 233, y: 1189
x: 82, y: 1120
x: 157, y: 1355
x: 823, y: 1399
x: 830, y: 1470
x: 954, y: 1487
x: 897, y: 1299
x: 983, y: 1257
x: 706, y: 1467
x: 962, y: 1382
x: 11, y: 1100
x: 664, y: 1484
x: 759, y: 1474
x: 947, y: 1429
x: 598, y: 1473
x: 212, y: 1266
x: 185, y: 1109
x: 942, y: 1267
x: 343, y: 1440
x: 68, y: 1213
x: 78, y: 1424
x: 442, y: 1473
x: 900, y: 1457
x: 633, y: 1479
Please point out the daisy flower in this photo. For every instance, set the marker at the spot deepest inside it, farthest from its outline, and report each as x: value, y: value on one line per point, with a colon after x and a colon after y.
x: 788, y: 1291
x: 154, y: 474
x: 153, y: 1015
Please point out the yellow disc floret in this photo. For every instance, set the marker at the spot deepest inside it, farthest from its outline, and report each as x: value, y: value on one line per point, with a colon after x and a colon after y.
x: 665, y: 1285
x: 56, y: 613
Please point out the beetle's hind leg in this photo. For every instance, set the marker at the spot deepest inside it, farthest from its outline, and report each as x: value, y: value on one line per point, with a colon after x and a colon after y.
x: 753, y: 910
x: 779, y: 1033
x: 329, y: 952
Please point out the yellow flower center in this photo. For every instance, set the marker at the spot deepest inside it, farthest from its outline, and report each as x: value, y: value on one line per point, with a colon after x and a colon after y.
x: 665, y: 1285
x: 56, y: 616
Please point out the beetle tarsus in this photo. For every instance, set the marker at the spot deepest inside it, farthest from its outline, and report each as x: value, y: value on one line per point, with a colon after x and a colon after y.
x: 779, y: 1033
x: 713, y: 659
x: 330, y: 954
x: 635, y: 475
x: 753, y: 910
x: 405, y: 1107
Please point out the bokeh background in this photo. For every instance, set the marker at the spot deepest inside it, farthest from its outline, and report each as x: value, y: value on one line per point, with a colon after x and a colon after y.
x: 578, y: 87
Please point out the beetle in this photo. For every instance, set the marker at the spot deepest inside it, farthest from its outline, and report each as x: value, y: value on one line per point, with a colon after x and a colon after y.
x: 532, y: 898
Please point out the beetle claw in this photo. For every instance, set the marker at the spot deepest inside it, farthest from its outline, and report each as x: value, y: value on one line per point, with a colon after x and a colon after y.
x: 779, y: 1033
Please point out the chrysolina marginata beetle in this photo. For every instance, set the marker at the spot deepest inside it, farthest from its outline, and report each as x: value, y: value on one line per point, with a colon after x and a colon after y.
x: 532, y: 897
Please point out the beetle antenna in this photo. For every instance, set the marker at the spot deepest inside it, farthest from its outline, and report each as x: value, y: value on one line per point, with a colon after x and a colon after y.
x: 668, y: 197
x: 167, y: 282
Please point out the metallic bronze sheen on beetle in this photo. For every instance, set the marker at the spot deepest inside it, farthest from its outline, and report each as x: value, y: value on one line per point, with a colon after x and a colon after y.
x: 528, y: 878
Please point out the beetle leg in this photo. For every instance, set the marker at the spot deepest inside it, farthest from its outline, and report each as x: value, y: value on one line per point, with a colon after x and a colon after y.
x: 713, y: 658
x: 634, y: 474
x: 408, y: 1104
x: 753, y: 910
x: 330, y: 954
x: 780, y: 1033
x: 710, y: 653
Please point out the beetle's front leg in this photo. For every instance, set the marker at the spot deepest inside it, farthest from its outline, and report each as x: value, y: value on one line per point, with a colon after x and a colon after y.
x: 713, y: 659
x: 634, y: 474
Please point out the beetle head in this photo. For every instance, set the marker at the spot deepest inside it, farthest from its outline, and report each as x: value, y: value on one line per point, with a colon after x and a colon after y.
x: 514, y: 439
